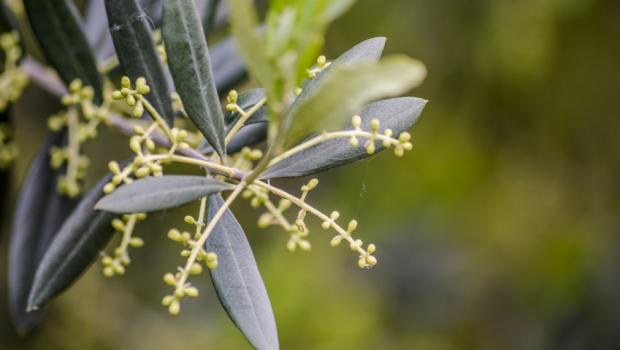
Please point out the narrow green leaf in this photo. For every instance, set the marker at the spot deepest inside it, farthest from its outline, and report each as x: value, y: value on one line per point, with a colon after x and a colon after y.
x: 398, y: 114
x: 346, y: 89
x: 369, y: 50
x: 39, y: 214
x: 136, y: 52
x: 244, y: 26
x: 188, y: 59
x: 157, y: 193
x: 56, y: 24
x: 76, y: 245
x: 238, y: 282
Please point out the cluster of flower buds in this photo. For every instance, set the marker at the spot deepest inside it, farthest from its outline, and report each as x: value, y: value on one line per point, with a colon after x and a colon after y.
x: 183, y: 288
x: 321, y: 63
x: 144, y: 163
x: 231, y: 100
x: 133, y: 97
x: 81, y: 118
x: 115, y: 265
x: 8, y: 149
x: 366, y: 259
x: 401, y: 144
x: 13, y: 80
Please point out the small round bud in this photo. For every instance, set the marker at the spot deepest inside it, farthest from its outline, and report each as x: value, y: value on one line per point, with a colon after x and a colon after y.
x: 189, y: 220
x: 185, y: 253
x: 138, y: 110
x: 118, y: 225
x: 114, y: 167
x: 191, y: 292
x: 119, y: 269
x: 125, y: 92
x: 352, y: 226
x: 399, y: 151
x: 407, y: 146
x: 231, y: 107
x: 211, y: 256
x: 374, y: 125
x: 291, y: 245
x: 354, y: 142
x: 335, y: 241
x: 195, y: 269
x: 108, y: 271
x: 142, y: 172
x: 321, y: 61
x: 75, y: 85
x: 109, y: 188
x: 136, y: 242
x: 265, y: 220
x: 174, y: 307
x: 371, y: 248
x: 106, y: 261
x: 326, y: 225
x: 372, y: 261
x: 284, y: 204
x: 404, y: 137
x: 170, y: 280
x: 356, y: 121
x: 117, y: 95
x: 313, y: 183
x: 134, y: 144
x: 305, y: 245
x: 362, y: 263
x: 167, y: 300
x: 150, y: 144
x: 232, y: 96
x: 131, y: 101
x: 370, y: 147
x: 334, y: 215
x: 212, y: 265
x: 388, y: 132
x: 125, y: 82
x: 143, y: 89
x: 174, y: 235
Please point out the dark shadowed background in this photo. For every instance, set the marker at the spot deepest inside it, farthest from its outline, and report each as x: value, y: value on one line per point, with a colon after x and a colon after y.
x: 500, y: 230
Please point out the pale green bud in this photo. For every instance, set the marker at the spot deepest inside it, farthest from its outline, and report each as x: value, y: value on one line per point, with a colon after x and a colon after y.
x: 170, y: 280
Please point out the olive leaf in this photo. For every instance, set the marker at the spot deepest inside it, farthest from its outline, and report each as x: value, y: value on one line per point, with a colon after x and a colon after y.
x: 189, y: 62
x: 162, y: 192
x: 56, y: 24
x: 244, y: 26
x: 238, y: 282
x: 347, y: 88
x: 296, y: 32
x: 136, y: 52
x: 369, y: 50
x: 76, y: 245
x: 39, y: 213
x: 398, y: 114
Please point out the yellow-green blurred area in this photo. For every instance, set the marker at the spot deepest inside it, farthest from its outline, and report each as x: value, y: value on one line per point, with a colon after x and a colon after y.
x: 500, y: 230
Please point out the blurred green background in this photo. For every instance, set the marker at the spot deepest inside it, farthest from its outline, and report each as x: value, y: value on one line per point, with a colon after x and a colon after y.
x: 499, y: 231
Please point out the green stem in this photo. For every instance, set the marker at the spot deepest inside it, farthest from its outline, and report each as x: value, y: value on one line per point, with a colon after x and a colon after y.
x: 197, y: 248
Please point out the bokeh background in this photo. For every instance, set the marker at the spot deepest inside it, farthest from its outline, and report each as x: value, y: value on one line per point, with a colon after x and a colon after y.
x: 500, y: 230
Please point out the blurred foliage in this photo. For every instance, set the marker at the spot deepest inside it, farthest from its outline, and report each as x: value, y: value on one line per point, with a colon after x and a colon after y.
x: 499, y: 231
